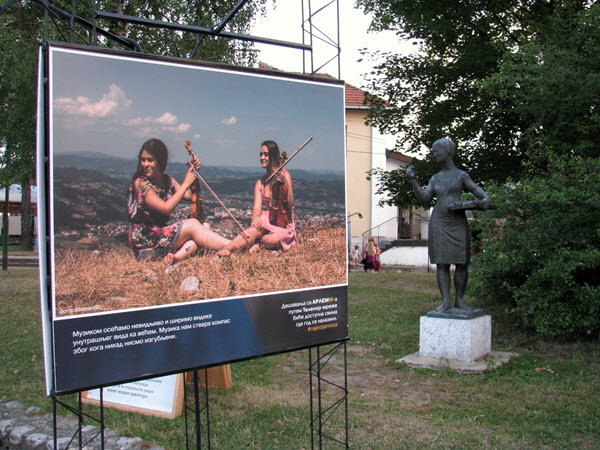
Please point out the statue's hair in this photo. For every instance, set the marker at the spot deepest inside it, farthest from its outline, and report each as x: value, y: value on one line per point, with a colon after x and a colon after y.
x: 449, y: 145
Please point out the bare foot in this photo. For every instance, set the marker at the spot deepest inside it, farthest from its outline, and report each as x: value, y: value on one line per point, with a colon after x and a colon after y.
x: 445, y: 306
x: 460, y: 304
x: 169, y: 259
x: 224, y: 253
x: 254, y: 248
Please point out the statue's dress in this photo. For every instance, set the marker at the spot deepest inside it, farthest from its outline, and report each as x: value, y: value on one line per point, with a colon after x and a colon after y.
x: 449, y: 241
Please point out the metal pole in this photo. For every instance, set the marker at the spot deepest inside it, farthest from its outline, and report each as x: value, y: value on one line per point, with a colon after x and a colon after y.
x: 54, y: 426
x: 80, y: 421
x: 310, y: 382
x: 5, y: 231
x: 197, y: 407
x: 207, y: 411
x: 102, y: 418
x: 339, y: 50
x: 320, y: 394
x: 346, y: 392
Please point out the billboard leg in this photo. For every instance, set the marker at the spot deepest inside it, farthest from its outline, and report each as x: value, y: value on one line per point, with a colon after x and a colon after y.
x: 328, y: 395
x: 78, y: 437
x: 193, y: 405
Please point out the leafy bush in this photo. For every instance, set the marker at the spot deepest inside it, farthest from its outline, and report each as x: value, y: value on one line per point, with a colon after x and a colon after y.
x: 541, y: 249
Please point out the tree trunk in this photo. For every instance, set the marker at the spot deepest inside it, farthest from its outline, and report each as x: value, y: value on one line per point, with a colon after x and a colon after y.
x: 26, y: 222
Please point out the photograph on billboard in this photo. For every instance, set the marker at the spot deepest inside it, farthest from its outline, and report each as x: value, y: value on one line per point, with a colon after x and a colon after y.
x: 196, y: 214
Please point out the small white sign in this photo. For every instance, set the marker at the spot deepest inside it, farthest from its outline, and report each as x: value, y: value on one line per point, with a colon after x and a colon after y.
x: 161, y: 396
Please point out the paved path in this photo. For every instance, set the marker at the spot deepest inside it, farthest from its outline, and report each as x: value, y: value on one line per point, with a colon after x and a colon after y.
x: 21, y: 260
x: 22, y: 428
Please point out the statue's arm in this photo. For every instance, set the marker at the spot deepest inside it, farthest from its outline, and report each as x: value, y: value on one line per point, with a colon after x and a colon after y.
x: 423, y: 195
x: 476, y: 190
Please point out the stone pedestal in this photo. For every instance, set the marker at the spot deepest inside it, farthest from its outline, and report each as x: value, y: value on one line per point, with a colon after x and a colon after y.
x: 463, y: 340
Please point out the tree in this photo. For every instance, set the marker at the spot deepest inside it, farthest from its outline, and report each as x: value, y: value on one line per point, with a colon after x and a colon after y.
x: 508, y: 80
x: 18, y: 73
x: 22, y: 30
x: 541, y: 248
x: 517, y: 84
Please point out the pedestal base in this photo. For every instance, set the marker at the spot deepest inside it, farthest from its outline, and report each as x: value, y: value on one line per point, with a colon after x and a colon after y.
x: 491, y: 361
x: 463, y: 340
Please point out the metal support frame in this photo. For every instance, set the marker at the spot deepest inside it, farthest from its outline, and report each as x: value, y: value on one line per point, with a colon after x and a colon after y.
x: 329, y: 404
x: 81, y: 415
x: 200, y: 431
x: 313, y: 32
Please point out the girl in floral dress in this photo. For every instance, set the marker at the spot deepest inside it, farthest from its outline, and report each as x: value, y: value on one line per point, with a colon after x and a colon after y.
x: 153, y: 195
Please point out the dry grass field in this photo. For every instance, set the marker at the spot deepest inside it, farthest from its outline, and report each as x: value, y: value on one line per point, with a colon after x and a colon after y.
x: 108, y: 280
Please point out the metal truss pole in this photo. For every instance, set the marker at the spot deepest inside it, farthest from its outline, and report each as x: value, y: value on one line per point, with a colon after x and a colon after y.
x: 328, y: 395
x: 315, y: 33
x: 81, y: 415
x: 201, y: 428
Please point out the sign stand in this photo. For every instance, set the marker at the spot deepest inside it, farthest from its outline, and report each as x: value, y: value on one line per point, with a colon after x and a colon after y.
x: 193, y: 405
x: 321, y: 413
x: 324, y: 410
x: 78, y: 434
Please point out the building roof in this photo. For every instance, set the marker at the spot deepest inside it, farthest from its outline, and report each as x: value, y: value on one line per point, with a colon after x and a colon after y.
x: 399, y: 156
x: 355, y: 97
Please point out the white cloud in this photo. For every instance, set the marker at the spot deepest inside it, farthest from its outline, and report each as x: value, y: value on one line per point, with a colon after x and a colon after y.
x: 167, y: 119
x: 181, y: 128
x: 167, y: 122
x: 138, y: 121
x: 229, y: 121
x: 113, y: 101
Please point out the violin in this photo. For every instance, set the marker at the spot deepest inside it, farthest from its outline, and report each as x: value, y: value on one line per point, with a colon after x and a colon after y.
x: 279, y: 213
x: 197, y: 211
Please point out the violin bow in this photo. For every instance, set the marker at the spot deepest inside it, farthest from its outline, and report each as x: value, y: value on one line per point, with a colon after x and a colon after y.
x: 289, y: 159
x: 210, y: 191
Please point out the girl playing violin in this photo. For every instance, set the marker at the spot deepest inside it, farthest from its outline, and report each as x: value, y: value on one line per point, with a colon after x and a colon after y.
x: 274, y: 227
x: 152, y: 196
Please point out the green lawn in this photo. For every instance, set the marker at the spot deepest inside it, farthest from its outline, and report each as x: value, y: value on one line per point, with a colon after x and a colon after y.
x: 548, y: 397
x: 16, y: 249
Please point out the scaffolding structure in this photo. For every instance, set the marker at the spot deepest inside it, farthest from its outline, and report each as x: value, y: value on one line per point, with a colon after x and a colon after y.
x: 328, y: 396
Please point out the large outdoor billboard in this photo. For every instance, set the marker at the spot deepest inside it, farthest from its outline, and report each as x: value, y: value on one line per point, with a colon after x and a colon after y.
x: 136, y: 287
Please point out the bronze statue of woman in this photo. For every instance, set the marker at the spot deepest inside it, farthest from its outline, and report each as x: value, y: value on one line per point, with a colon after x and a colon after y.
x: 449, y: 240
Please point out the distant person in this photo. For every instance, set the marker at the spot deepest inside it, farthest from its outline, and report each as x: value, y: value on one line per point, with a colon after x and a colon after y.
x: 370, y: 254
x: 378, y: 266
x: 355, y: 255
x: 272, y: 227
x: 152, y: 196
x: 448, y: 229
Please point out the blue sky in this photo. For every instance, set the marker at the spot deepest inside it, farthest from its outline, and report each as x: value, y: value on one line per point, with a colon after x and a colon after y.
x: 111, y: 105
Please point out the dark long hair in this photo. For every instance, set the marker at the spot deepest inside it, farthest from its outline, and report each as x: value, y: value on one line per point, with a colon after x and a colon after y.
x: 274, y: 155
x: 159, y: 152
